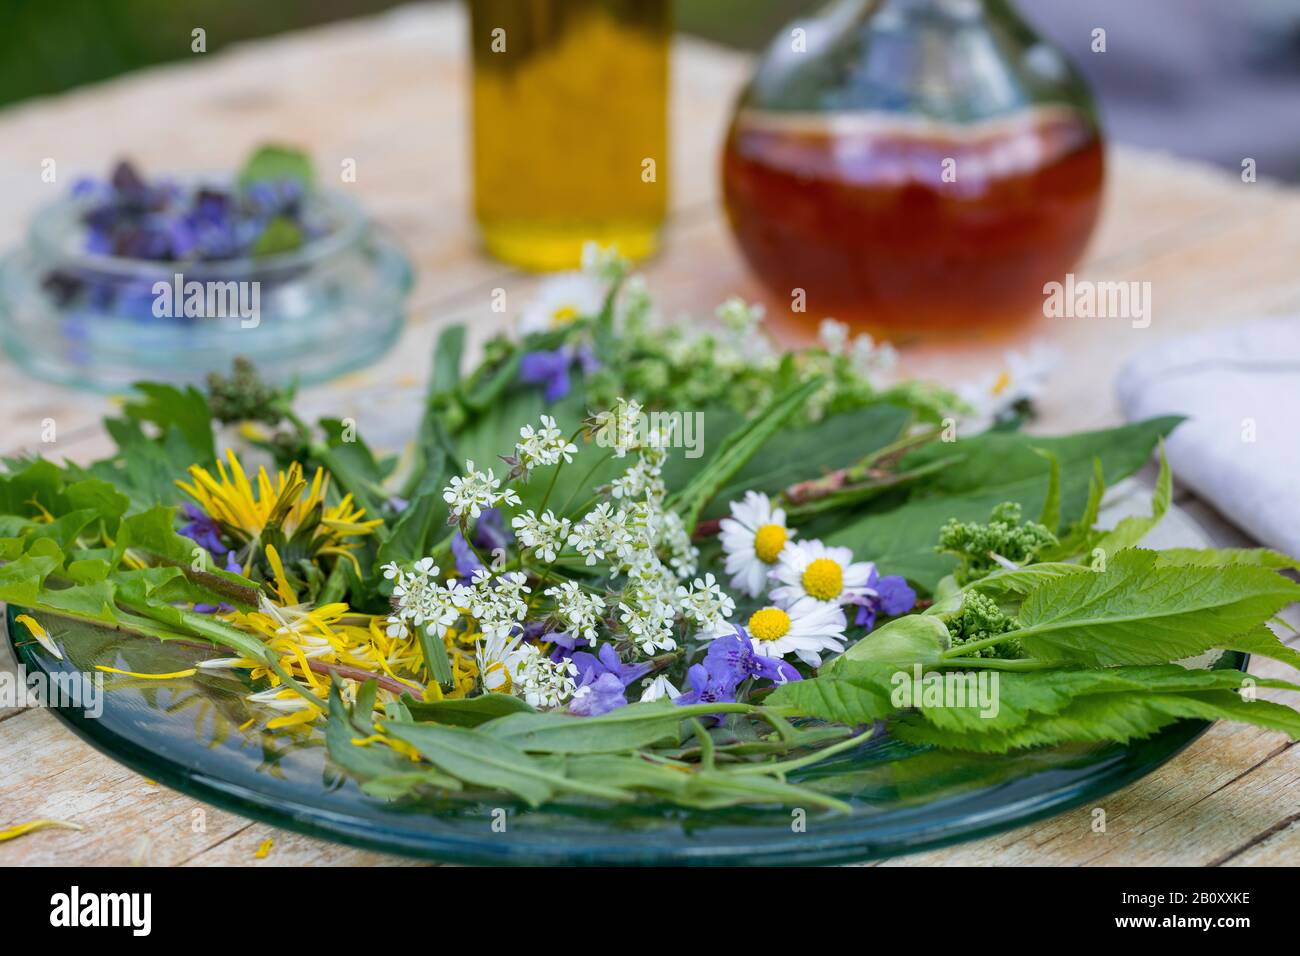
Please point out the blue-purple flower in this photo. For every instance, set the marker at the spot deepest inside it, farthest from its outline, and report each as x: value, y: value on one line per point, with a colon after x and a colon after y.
x: 890, y: 596
x: 706, y: 688
x: 550, y: 369
x: 733, y: 659
x: 602, y: 695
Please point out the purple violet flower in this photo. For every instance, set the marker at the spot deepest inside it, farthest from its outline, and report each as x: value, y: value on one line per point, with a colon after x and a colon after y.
x: 705, y: 689
x: 601, y: 696
x: 548, y: 369
x: 890, y: 596
x: 204, y: 530
x: 733, y: 659
x: 606, y: 661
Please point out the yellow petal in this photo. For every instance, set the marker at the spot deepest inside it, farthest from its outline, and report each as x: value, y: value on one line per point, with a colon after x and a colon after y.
x: 188, y: 672
x: 31, y: 826
x: 42, y: 636
x: 265, y: 849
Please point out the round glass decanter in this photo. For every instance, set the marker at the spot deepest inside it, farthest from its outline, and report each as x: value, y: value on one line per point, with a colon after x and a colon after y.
x: 917, y: 168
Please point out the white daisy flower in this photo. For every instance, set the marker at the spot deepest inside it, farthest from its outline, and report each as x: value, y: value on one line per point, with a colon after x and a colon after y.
x: 499, y: 658
x: 807, y: 629
x: 813, y: 569
x: 752, y: 540
x: 995, y: 395
x: 562, y: 299
x: 658, y: 688
x: 544, y: 446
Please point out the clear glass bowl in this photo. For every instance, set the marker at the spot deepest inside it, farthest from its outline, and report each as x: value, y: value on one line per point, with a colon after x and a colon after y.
x: 91, y: 321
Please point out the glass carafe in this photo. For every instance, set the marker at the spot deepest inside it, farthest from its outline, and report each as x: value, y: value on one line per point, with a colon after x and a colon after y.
x: 570, y: 126
x: 914, y: 167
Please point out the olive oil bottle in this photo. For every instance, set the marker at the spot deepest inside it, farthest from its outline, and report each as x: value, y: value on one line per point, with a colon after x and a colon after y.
x: 570, y: 126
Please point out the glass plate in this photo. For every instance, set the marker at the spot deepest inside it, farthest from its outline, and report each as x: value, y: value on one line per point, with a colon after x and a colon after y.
x: 187, y: 733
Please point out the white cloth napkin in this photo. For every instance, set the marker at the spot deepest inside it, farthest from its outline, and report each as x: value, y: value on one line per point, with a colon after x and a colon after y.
x: 1240, y: 447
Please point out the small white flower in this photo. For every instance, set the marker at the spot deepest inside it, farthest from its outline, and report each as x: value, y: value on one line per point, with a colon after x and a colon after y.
x: 580, y: 610
x: 995, y: 395
x: 545, y: 535
x: 542, y: 682
x: 562, y: 299
x: 752, y: 540
x: 649, y: 623
x: 421, y: 600
x: 544, y: 446
x: 603, y: 262
x: 834, y: 336
x: 807, y: 629
x: 470, y: 493
x: 620, y: 427
x: 705, y: 603
x: 601, y: 532
x: 868, y: 357
x: 812, y: 569
x: 658, y: 688
x: 498, y: 603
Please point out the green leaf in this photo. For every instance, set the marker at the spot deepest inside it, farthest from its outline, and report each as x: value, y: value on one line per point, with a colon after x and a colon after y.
x: 627, y: 728
x: 281, y: 235
x: 737, y: 449
x: 1129, y: 531
x: 1137, y: 613
x: 484, y: 761
x: 916, y: 638
x: 468, y: 712
x: 1050, y: 516
x: 272, y: 163
x: 996, y: 467
x: 1226, y: 557
x: 858, y: 694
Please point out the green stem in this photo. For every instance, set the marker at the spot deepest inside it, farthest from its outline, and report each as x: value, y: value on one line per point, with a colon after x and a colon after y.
x: 785, y: 766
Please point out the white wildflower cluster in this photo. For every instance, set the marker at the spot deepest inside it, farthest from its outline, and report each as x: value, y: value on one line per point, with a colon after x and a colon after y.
x: 867, y: 355
x: 543, y: 446
x: 420, y: 600
x: 469, y: 494
x: 542, y: 682
x: 544, y: 534
x: 580, y: 610
x: 498, y: 602
x: 705, y: 603
x: 619, y: 428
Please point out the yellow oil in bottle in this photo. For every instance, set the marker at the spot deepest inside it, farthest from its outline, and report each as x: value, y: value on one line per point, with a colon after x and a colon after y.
x: 570, y: 126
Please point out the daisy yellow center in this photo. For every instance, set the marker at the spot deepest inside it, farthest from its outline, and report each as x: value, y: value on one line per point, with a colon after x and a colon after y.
x: 768, y: 542
x: 769, y: 624
x: 1002, y: 383
x: 496, y: 678
x: 564, y: 315
x: 823, y: 579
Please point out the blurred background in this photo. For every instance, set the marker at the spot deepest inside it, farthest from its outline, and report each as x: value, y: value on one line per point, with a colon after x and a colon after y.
x: 1208, y: 79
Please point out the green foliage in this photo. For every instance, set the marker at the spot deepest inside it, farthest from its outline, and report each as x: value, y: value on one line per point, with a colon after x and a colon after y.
x: 976, y: 545
x: 995, y: 467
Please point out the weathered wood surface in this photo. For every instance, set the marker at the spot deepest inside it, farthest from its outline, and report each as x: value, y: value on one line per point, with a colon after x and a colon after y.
x: 390, y: 94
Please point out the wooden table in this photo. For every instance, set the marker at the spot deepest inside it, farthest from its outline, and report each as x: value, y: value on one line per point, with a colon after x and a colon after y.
x: 390, y: 94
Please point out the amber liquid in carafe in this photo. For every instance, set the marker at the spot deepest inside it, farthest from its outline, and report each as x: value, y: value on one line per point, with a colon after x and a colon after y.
x: 856, y: 210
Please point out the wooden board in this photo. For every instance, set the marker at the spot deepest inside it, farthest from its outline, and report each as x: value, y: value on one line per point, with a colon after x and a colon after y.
x: 390, y: 94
